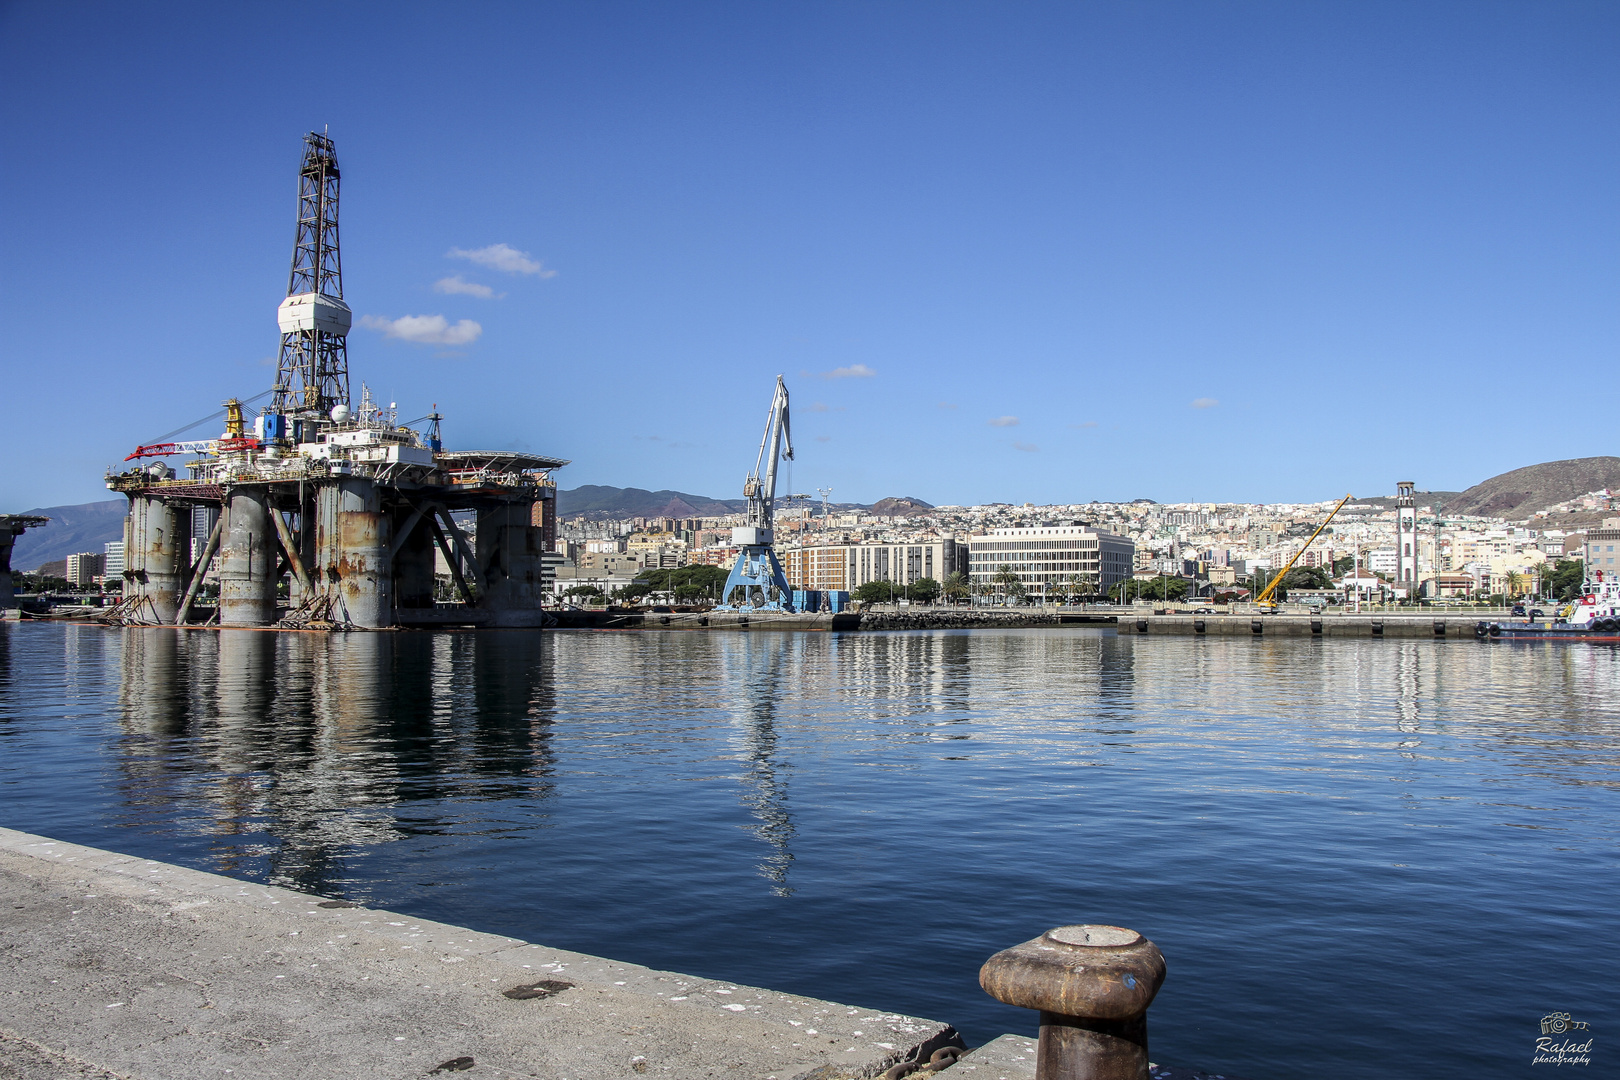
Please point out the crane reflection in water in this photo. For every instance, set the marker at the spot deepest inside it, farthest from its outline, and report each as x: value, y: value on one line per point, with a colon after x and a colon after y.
x: 758, y: 676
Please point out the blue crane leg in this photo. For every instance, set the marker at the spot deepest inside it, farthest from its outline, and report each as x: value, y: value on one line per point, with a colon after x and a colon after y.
x: 757, y: 568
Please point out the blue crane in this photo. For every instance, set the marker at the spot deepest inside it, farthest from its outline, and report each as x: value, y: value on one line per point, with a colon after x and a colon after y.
x: 757, y: 571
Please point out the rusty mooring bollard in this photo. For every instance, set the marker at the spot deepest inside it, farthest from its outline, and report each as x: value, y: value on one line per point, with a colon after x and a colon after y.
x: 1092, y: 985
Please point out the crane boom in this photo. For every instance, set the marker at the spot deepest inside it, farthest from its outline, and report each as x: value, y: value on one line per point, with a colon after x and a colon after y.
x: 1264, y: 598
x: 774, y: 445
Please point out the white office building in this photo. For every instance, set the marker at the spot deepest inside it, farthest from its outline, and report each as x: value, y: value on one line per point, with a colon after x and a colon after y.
x: 1051, y: 559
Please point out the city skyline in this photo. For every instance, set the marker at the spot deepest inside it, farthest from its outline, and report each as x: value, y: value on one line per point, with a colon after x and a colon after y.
x: 1248, y: 254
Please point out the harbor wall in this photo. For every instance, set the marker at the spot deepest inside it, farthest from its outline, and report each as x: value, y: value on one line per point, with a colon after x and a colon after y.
x: 1446, y: 627
x: 130, y: 968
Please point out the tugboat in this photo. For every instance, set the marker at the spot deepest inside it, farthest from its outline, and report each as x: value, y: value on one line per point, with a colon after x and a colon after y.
x: 1592, y: 616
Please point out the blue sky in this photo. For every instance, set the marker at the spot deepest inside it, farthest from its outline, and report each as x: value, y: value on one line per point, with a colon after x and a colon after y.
x: 1020, y: 252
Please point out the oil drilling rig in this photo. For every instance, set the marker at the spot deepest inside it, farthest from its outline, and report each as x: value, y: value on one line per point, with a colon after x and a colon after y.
x: 757, y: 573
x: 339, y: 505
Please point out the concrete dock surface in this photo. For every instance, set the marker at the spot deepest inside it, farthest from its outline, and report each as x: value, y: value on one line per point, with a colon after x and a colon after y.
x: 125, y: 967
x: 121, y: 968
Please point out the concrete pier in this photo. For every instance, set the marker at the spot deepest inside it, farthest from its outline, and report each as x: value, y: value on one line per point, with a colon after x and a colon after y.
x: 124, y: 967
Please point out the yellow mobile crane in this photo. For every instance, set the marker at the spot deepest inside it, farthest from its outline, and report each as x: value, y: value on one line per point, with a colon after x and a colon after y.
x: 1264, y: 601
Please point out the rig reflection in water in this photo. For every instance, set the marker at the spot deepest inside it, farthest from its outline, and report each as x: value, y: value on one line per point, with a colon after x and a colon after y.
x: 319, y: 745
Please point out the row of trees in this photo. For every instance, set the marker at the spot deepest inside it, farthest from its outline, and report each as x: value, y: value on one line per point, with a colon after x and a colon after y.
x: 686, y: 584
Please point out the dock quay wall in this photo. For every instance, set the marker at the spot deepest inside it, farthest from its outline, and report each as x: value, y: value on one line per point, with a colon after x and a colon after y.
x: 917, y: 619
x: 136, y: 969
x: 946, y: 619
x: 1448, y: 627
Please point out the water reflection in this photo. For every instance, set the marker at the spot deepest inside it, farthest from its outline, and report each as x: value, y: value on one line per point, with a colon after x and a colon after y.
x: 586, y: 789
x: 300, y: 752
x: 758, y: 675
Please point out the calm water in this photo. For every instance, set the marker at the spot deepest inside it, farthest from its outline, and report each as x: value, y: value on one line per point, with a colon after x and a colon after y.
x: 1364, y: 859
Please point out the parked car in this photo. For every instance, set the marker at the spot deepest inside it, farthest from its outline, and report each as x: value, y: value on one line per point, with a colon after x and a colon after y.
x: 1518, y: 609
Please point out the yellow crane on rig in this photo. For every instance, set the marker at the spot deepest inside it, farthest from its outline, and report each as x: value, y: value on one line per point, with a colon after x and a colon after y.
x: 1266, y: 601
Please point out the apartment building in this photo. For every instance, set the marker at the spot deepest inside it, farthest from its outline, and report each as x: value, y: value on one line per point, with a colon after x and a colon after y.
x: 846, y: 567
x: 83, y: 568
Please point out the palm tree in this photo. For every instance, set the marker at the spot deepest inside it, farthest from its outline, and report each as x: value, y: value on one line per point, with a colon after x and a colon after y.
x: 1515, y: 583
x: 955, y: 586
x: 1008, y: 582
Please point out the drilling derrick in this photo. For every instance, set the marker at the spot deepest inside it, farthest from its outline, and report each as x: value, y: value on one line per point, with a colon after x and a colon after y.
x: 327, y: 514
x: 312, y: 374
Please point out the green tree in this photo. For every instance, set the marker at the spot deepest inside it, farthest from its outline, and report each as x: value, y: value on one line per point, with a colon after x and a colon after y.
x: 1564, y: 581
x: 923, y: 591
x: 1306, y: 577
x: 1158, y: 588
x: 957, y: 586
x: 709, y: 579
x: 1343, y: 566
x: 583, y: 590
x: 689, y: 594
x: 636, y: 590
x: 874, y: 592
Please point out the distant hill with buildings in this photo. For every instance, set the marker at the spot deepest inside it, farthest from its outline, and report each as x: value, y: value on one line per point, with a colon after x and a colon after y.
x: 905, y: 506
x: 85, y: 527
x: 609, y: 503
x: 1522, y: 492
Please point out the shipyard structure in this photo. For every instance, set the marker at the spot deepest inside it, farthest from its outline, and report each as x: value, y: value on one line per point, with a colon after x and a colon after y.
x: 322, y: 513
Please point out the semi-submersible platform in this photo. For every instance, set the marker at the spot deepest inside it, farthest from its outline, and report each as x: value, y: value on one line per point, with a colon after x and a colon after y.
x: 338, y: 505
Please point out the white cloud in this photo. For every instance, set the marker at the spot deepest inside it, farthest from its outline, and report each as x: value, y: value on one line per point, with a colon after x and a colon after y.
x: 819, y: 406
x: 1028, y: 448
x: 1004, y: 421
x: 1089, y: 423
x: 424, y: 329
x: 854, y: 371
x: 946, y: 405
x: 1205, y: 403
x: 505, y: 258
x: 455, y: 286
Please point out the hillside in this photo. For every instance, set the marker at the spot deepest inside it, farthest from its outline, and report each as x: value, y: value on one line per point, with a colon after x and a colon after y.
x: 1522, y: 492
x: 604, y: 503
x: 905, y: 506
x: 73, y: 529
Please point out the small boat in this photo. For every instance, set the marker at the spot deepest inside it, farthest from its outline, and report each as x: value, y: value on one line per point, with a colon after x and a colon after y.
x: 1592, y: 616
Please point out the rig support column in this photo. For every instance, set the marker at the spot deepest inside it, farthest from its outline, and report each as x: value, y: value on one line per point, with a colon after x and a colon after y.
x: 509, y: 555
x: 352, y: 540
x: 8, y: 594
x: 11, y: 527
x: 247, y: 561
x: 157, y: 556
